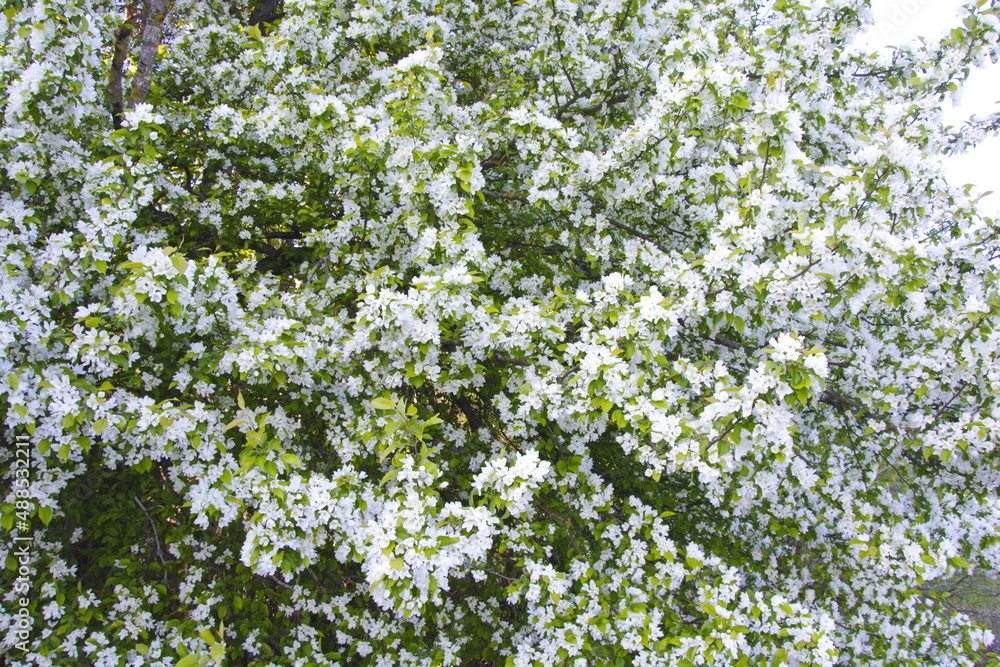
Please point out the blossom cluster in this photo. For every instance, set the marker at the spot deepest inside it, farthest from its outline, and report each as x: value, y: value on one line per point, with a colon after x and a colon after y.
x: 437, y: 333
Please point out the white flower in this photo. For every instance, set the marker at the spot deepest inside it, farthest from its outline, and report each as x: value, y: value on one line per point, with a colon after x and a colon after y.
x: 419, y: 58
x: 52, y: 611
x: 785, y: 348
x: 142, y: 113
x: 869, y: 155
x: 817, y: 363
x: 614, y: 282
x: 514, y: 483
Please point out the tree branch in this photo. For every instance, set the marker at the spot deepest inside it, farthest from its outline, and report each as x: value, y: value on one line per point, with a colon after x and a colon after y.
x: 516, y: 196
x: 289, y: 236
x: 116, y: 95
x: 496, y: 85
x: 594, y: 109
x: 152, y: 33
x: 507, y: 361
x: 725, y: 342
x: 635, y: 232
x: 839, y: 401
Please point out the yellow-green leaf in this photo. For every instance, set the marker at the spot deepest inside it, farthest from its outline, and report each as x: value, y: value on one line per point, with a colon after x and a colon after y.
x: 382, y: 403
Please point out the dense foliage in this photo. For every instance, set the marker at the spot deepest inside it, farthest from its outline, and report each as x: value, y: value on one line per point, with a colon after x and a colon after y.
x: 412, y: 332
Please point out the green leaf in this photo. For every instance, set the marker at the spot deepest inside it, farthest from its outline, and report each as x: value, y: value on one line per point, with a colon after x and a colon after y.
x: 382, y: 403
x: 45, y: 514
x: 233, y: 424
x: 179, y: 263
x: 604, y: 404
x: 959, y: 563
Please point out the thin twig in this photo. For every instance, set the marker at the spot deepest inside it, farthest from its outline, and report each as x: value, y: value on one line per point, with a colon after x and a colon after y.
x: 596, y: 108
x: 156, y: 536
x: 493, y: 88
x: 635, y: 232
x: 562, y: 378
x: 497, y: 574
x: 804, y: 271
x: 516, y: 196
x: 937, y: 415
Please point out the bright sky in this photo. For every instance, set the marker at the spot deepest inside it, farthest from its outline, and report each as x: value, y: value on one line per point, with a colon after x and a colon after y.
x: 897, y: 21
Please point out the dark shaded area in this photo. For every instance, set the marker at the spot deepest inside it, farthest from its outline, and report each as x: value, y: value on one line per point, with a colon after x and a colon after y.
x: 266, y: 11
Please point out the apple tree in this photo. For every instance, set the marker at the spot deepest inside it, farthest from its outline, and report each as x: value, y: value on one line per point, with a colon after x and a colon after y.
x: 412, y: 332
